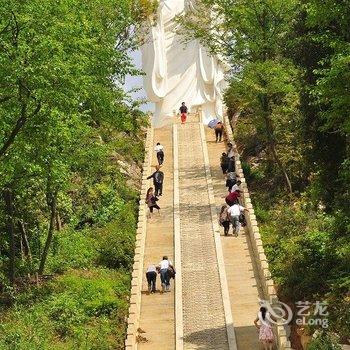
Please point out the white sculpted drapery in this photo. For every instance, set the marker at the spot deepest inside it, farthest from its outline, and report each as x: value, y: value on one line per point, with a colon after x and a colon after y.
x: 177, y: 72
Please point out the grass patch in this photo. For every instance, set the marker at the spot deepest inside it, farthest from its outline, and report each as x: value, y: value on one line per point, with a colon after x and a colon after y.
x: 81, y: 309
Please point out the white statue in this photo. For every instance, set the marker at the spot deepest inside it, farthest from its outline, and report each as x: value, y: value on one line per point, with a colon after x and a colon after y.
x: 177, y: 72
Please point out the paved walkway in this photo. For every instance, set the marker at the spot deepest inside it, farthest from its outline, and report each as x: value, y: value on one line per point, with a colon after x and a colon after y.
x: 203, y: 313
x: 157, y: 310
x: 242, y: 278
x: 199, y: 294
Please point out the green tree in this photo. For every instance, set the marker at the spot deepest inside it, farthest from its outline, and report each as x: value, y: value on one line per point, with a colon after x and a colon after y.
x: 62, y: 69
x: 251, y: 35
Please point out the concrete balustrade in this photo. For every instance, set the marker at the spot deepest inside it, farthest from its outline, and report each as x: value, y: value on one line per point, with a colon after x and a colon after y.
x: 268, y: 285
x: 136, y: 281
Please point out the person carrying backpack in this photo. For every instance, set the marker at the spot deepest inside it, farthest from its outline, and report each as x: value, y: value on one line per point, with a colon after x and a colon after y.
x: 224, y: 219
x: 158, y: 177
x: 164, y: 273
x: 235, y: 211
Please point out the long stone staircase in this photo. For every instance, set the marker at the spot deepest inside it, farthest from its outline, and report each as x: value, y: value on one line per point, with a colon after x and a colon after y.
x: 219, y: 279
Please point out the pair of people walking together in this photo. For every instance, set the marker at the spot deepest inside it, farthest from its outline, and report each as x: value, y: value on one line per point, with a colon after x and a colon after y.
x: 232, y: 215
x: 166, y: 272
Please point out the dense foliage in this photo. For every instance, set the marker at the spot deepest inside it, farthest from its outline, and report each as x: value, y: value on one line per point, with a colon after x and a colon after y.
x: 71, y: 145
x: 289, y: 98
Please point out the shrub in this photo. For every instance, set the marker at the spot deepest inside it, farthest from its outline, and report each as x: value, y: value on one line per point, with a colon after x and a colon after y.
x: 324, y: 341
x: 74, y: 249
x: 84, y: 310
x: 117, y: 240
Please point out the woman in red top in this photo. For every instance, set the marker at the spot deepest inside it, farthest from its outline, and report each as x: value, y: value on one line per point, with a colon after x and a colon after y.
x: 183, y: 111
x: 232, y: 198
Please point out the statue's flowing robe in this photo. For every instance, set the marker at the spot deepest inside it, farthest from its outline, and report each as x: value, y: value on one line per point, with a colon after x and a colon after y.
x: 180, y: 72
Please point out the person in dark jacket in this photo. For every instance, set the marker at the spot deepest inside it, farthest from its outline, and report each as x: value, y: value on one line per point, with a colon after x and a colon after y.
x: 183, y: 111
x: 231, y: 180
x: 224, y: 162
x: 158, y: 178
x: 231, y: 165
x: 151, y: 276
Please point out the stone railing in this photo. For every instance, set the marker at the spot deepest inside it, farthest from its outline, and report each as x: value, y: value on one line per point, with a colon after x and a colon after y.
x: 137, y: 274
x: 267, y: 282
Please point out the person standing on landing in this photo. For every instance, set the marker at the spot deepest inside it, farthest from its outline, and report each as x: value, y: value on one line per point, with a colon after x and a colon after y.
x: 158, y: 178
x: 160, y: 153
x: 183, y: 111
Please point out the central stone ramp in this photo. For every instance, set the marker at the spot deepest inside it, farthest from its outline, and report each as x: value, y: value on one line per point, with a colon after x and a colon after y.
x: 203, y: 311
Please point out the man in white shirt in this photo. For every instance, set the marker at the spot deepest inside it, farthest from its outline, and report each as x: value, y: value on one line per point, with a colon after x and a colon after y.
x: 234, y: 212
x: 164, y: 273
x: 160, y: 153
